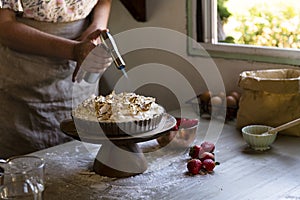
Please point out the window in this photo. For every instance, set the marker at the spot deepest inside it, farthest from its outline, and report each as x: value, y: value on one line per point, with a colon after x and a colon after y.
x: 203, y: 27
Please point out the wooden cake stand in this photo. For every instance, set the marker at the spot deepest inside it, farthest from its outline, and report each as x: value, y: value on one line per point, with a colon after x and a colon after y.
x: 119, y: 156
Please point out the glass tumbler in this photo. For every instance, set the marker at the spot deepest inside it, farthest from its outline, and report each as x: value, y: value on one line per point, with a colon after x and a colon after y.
x: 23, y: 178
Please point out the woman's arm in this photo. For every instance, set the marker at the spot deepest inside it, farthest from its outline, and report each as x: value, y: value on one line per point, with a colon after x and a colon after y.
x: 101, y: 14
x: 26, y: 39
x: 99, y: 18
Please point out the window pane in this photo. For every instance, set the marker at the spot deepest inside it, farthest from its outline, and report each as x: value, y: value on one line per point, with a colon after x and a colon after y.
x: 274, y: 23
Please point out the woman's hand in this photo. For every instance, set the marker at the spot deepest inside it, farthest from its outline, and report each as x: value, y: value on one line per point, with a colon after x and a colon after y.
x: 99, y: 18
x: 90, y: 56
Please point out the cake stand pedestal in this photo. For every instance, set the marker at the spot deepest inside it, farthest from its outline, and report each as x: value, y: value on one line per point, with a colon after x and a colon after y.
x: 119, y: 156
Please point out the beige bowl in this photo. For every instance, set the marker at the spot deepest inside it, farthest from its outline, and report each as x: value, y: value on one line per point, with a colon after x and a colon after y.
x: 182, y: 135
x: 257, y: 138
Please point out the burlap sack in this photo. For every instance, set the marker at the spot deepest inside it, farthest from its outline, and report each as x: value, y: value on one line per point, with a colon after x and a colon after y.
x: 270, y: 97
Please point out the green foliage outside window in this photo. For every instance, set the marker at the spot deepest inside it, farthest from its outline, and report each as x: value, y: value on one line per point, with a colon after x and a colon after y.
x: 264, y: 26
x: 223, y: 11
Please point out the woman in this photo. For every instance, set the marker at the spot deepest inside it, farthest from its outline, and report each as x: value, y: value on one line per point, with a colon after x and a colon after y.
x: 41, y: 44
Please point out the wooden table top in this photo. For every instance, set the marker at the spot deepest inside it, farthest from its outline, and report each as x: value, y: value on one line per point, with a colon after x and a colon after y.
x: 242, y: 174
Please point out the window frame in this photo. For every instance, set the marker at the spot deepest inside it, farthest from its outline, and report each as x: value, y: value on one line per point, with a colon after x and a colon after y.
x: 225, y: 50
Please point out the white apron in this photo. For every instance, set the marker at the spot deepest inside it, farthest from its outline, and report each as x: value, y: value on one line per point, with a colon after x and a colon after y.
x: 36, y: 94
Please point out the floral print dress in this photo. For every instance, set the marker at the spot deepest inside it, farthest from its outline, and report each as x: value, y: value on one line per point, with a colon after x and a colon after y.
x: 51, y: 10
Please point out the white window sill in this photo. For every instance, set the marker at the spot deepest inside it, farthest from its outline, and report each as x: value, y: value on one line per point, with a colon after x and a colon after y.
x: 246, y: 52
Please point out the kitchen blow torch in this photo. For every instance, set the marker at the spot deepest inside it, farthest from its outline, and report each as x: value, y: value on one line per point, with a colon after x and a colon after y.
x: 108, y: 43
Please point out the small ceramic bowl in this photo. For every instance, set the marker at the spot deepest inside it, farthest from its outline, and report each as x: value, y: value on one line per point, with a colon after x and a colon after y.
x: 182, y: 135
x: 257, y: 138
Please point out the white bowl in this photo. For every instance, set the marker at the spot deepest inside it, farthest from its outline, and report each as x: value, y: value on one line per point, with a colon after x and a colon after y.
x: 254, y: 137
